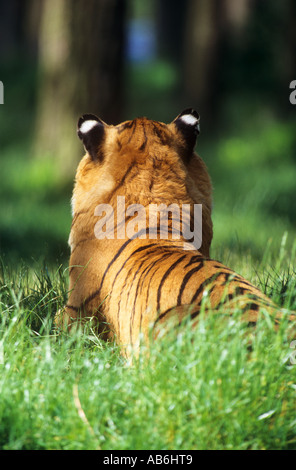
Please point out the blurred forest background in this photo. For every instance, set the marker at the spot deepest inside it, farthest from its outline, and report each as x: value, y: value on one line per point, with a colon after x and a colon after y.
x: 232, y: 60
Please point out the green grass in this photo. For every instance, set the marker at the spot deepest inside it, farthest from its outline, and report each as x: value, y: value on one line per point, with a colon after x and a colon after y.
x: 203, y: 390
x: 200, y: 390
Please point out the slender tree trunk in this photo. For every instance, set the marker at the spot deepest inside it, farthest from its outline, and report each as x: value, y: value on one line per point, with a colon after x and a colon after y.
x: 209, y: 25
x: 170, y: 17
x: 291, y: 42
x: 11, y: 28
x: 80, y: 66
x: 201, y: 44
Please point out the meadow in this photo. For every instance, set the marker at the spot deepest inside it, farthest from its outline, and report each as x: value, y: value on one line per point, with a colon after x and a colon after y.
x: 214, y: 388
x: 217, y: 387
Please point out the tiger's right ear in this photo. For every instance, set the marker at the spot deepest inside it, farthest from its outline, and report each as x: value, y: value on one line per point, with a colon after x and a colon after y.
x: 188, y: 124
x: 90, y: 130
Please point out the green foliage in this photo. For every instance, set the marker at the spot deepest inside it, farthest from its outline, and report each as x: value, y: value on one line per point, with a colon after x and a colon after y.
x: 35, y: 208
x: 203, y: 389
x: 19, y: 78
x: 158, y: 79
x: 253, y: 172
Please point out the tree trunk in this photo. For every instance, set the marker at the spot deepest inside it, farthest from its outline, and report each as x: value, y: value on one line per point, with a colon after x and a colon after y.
x: 201, y: 44
x: 80, y: 65
x: 210, y: 24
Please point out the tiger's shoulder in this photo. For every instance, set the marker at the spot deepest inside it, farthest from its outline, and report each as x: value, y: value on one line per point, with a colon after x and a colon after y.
x: 145, y: 161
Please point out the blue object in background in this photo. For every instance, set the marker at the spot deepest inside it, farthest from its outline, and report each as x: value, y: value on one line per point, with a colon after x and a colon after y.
x: 141, y: 41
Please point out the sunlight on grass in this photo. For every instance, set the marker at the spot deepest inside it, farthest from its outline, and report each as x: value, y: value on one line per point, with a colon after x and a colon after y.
x: 204, y: 389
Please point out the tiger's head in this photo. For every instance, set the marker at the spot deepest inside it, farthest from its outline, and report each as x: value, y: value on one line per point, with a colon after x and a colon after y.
x: 147, y: 162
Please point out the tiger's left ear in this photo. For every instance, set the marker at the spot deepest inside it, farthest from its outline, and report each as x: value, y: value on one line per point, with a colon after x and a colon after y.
x: 188, y: 124
x: 91, y: 130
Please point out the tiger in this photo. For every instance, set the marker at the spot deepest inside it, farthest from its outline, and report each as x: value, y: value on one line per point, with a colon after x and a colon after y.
x: 132, y: 284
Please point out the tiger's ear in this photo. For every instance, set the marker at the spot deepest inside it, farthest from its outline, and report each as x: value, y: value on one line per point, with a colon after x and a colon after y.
x: 188, y: 124
x: 91, y: 130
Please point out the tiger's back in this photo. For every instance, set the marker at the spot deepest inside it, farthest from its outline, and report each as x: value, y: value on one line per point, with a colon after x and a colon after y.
x: 134, y: 279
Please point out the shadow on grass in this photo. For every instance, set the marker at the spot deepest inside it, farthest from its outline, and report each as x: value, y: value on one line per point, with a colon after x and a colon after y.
x: 32, y: 245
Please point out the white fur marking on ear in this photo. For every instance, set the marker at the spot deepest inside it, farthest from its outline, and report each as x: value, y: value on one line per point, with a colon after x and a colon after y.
x: 189, y: 119
x: 88, y: 126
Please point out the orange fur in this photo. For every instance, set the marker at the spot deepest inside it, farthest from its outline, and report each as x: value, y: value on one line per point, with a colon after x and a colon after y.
x: 129, y: 285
